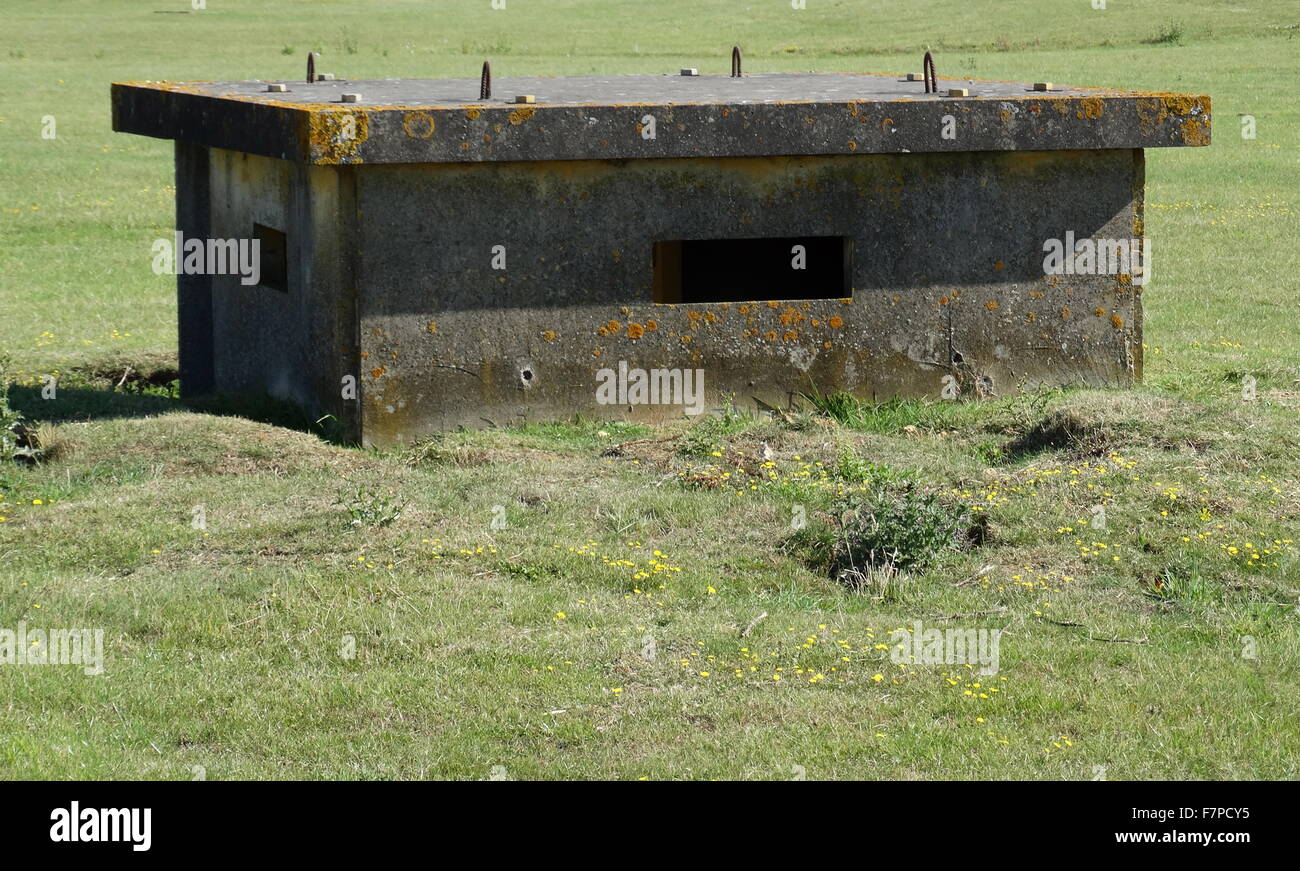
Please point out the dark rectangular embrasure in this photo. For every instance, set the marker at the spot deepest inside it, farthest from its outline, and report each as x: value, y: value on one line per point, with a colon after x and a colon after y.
x: 274, y: 257
x: 740, y: 270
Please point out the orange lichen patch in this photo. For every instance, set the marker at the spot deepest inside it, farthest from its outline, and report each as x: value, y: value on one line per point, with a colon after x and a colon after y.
x: 846, y: 300
x: 1005, y: 116
x: 999, y: 265
x: 1180, y: 104
x: 471, y: 114
x: 651, y: 326
x: 710, y: 317
x: 1031, y: 317
x: 635, y: 331
x: 602, y: 331
x: 790, y: 335
x: 943, y: 300
x: 991, y: 305
x: 550, y: 335
x: 1150, y: 113
x: 885, y: 122
x: 1053, y: 280
x: 377, y: 372
x: 1099, y: 311
x: 432, y: 326
x: 770, y: 335
x: 613, y: 326
x: 686, y: 340
x: 836, y: 322
x: 826, y: 345
x: 1090, y: 107
x: 1196, y: 130
x: 853, y: 146
x: 1116, y: 321
x: 744, y: 309
x: 365, y: 355
x: 816, y: 323
x: 334, y: 136
x: 418, y: 125
x: 1065, y: 311
x: 596, y: 353
x: 694, y: 316
x: 519, y: 116
x: 1036, y: 294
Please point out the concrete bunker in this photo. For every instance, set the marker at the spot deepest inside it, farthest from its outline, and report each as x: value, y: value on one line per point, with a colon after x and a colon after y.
x: 463, y: 261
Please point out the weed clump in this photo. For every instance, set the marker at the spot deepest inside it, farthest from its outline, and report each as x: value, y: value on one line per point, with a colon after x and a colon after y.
x: 1170, y: 33
x: 9, y: 444
x: 892, y: 524
x: 368, y: 508
x: 901, y: 527
x: 23, y: 440
x: 705, y: 437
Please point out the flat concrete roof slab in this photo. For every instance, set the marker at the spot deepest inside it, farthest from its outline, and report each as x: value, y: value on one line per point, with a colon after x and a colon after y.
x: 605, y: 117
x: 616, y: 90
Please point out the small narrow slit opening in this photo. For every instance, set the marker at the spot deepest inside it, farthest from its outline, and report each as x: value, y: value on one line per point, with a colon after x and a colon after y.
x: 273, y: 254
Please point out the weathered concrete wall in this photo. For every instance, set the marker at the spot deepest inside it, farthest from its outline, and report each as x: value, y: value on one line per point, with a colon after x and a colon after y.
x: 194, y: 292
x: 948, y: 280
x: 294, y: 344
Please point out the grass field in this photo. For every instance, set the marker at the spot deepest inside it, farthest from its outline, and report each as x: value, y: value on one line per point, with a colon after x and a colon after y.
x: 355, y: 614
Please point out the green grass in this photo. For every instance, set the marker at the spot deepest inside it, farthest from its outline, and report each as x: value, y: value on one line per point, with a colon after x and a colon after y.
x: 283, y: 640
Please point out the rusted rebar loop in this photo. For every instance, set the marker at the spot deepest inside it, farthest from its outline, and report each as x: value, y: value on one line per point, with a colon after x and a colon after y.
x: 931, y: 80
x: 311, y: 66
x: 485, y: 82
x: 735, y: 62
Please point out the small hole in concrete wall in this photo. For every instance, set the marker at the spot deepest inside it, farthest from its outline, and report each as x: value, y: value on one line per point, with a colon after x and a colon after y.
x: 739, y: 270
x: 526, y: 375
x: 274, y: 257
x: 957, y: 357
